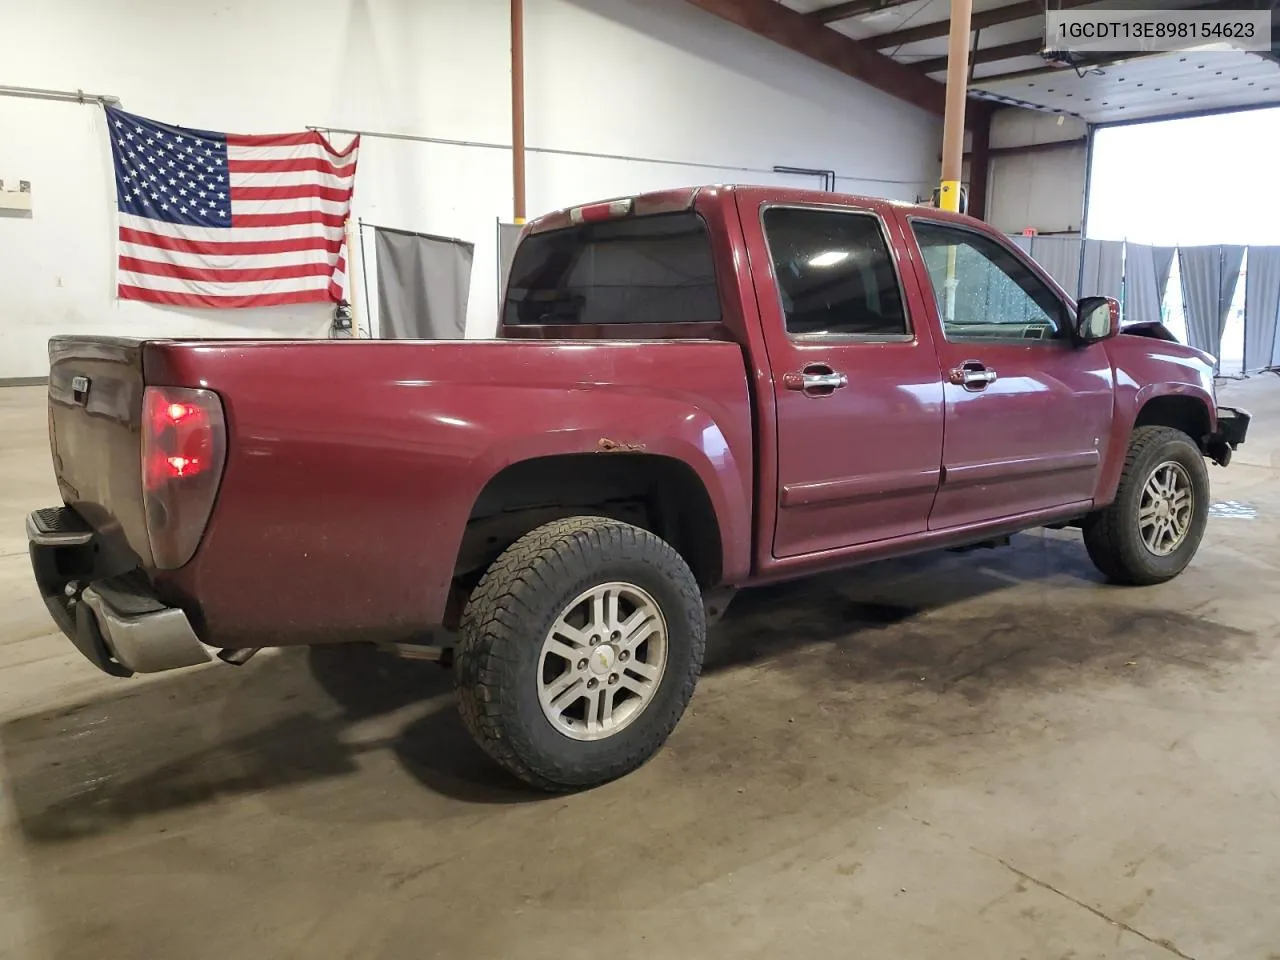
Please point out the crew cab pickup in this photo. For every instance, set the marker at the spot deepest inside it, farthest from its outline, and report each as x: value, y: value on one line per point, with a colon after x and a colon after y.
x: 690, y: 392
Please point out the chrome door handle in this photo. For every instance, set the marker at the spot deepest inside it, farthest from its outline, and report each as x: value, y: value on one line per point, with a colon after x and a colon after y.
x: 824, y: 381
x: 972, y: 375
x: 817, y: 380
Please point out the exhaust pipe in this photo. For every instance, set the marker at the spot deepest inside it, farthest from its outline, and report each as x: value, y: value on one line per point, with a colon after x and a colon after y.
x: 237, y: 656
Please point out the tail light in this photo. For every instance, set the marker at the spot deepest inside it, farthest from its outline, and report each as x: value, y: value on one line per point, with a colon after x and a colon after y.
x: 184, y: 447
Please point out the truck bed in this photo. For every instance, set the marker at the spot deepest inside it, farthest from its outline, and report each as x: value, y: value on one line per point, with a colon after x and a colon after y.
x: 352, y: 467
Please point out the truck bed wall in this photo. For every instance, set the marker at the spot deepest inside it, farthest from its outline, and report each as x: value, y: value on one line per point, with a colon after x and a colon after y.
x: 353, y: 466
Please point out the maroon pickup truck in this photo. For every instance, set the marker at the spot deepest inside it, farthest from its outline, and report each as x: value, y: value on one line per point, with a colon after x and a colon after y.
x: 691, y: 391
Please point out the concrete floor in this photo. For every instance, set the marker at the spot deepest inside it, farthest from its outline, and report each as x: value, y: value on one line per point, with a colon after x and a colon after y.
x: 973, y: 755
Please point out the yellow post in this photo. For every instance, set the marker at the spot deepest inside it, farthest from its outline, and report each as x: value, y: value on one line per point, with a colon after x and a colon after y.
x: 953, y: 131
x: 957, y: 88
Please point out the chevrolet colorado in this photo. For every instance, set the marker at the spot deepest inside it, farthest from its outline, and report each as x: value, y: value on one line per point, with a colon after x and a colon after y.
x: 691, y: 391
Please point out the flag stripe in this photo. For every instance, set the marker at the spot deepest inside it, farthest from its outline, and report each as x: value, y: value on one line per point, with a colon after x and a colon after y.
x: 225, y: 274
x: 217, y: 234
x: 230, y: 248
x: 289, y: 178
x: 168, y: 297
x: 232, y: 261
x: 291, y: 192
x: 291, y: 166
x: 216, y: 288
x: 309, y: 138
x: 313, y: 151
x: 240, y: 207
x: 239, y: 220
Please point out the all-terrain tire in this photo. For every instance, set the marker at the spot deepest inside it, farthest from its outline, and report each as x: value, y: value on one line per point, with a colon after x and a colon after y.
x: 497, y: 659
x: 1113, y: 535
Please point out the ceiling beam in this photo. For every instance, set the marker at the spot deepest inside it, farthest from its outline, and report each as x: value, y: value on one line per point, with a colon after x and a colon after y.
x: 1005, y: 51
x: 981, y: 20
x: 796, y: 31
x: 854, y: 8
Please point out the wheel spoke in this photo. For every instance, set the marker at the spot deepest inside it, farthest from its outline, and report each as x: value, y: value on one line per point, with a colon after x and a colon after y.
x: 571, y: 635
x: 1147, y: 513
x: 611, y: 599
x: 606, y: 705
x: 591, y: 713
x: 557, y: 695
x: 562, y: 650
x: 646, y: 672
x: 641, y: 688
x: 597, y: 621
x: 637, y: 628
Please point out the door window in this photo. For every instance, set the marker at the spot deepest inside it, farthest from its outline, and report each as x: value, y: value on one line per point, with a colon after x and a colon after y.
x: 983, y: 291
x: 834, y: 274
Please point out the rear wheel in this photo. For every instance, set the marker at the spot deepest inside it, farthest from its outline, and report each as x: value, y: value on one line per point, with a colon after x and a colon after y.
x: 578, y: 653
x: 1153, y: 528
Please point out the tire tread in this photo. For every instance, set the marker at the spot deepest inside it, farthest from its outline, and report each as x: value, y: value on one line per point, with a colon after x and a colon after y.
x: 1106, y: 532
x: 495, y: 624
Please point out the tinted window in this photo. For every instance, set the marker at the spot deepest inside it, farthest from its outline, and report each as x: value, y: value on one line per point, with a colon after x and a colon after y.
x: 834, y: 273
x: 996, y: 294
x: 654, y: 269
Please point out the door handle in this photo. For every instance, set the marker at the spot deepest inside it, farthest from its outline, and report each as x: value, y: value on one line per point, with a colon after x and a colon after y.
x: 973, y: 375
x: 817, y: 380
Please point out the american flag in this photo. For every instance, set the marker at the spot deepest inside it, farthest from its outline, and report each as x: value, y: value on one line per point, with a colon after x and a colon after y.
x: 226, y: 220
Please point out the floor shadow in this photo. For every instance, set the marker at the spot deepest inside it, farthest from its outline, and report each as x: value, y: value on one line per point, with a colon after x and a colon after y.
x: 770, y: 621
x: 200, y: 736
x: 308, y: 716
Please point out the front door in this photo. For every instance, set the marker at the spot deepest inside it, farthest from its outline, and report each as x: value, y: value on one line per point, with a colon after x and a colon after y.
x: 1028, y: 412
x: 856, y: 388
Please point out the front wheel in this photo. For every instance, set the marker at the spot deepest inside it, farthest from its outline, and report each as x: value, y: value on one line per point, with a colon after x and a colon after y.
x: 579, y: 650
x: 1152, y: 529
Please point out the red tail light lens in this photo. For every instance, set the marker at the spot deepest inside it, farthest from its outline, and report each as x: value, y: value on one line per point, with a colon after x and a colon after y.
x: 184, y: 445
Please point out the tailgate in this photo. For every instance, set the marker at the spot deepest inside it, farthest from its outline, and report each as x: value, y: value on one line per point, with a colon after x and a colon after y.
x: 95, y: 412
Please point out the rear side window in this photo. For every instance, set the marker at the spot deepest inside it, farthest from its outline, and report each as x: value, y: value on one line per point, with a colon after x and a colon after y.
x: 654, y: 269
x: 834, y: 274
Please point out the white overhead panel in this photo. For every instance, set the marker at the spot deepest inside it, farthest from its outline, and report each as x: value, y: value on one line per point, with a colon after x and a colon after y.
x: 1146, y: 87
x: 1008, y: 64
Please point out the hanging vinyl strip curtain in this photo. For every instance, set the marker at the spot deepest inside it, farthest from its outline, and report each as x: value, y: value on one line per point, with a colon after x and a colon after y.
x: 1060, y: 257
x: 1162, y: 261
x: 1209, y: 277
x: 1102, y: 273
x: 1261, y: 309
x: 1143, y: 294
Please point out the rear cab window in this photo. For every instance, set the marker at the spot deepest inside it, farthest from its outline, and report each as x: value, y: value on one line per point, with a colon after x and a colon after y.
x: 655, y: 269
x: 835, y: 274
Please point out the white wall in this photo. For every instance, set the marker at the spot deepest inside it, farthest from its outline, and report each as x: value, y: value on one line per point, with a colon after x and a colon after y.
x: 1045, y: 189
x: 657, y: 79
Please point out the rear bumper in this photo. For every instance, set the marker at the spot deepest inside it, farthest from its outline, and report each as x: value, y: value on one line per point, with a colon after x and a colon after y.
x: 114, y: 619
x: 1233, y: 425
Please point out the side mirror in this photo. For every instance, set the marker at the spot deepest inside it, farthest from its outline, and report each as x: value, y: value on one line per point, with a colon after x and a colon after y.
x: 1097, y: 318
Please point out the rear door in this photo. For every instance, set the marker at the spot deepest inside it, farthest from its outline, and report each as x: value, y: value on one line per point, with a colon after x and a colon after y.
x: 1028, y: 412
x: 855, y: 385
